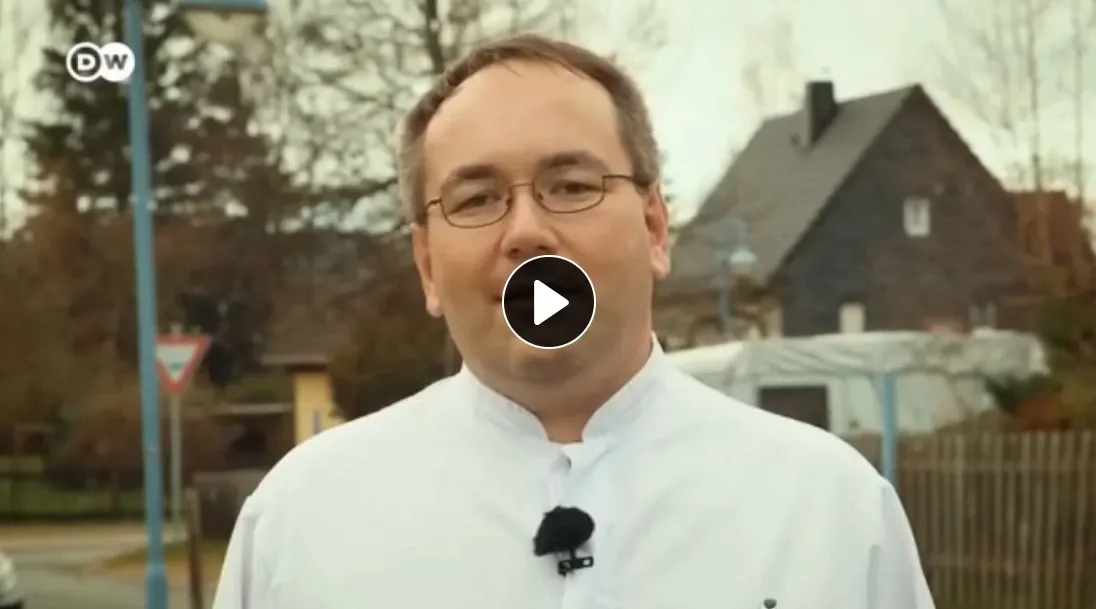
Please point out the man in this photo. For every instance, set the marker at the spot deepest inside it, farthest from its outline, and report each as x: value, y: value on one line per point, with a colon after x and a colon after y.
x: 525, y: 148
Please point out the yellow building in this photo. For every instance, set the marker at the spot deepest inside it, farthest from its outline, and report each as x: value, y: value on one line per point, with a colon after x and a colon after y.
x: 313, y: 404
x: 313, y: 407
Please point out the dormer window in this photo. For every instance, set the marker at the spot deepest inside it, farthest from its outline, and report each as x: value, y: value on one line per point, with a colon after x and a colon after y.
x: 917, y: 217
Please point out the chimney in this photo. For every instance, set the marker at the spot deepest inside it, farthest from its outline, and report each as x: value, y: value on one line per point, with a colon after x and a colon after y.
x: 819, y: 108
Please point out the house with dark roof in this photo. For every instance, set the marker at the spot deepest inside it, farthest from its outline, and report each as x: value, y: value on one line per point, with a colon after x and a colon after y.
x: 860, y: 214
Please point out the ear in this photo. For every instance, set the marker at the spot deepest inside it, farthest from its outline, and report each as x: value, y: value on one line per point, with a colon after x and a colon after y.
x: 420, y: 245
x: 656, y: 216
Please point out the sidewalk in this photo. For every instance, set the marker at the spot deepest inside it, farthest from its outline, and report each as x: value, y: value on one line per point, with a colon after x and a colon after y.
x: 42, y: 536
x: 54, y: 589
x: 43, y: 531
x: 177, y: 573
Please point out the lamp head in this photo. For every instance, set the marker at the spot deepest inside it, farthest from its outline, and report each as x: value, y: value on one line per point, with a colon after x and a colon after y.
x: 742, y: 260
x: 233, y: 23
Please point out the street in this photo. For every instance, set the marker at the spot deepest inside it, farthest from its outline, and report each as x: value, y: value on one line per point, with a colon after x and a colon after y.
x: 52, y: 570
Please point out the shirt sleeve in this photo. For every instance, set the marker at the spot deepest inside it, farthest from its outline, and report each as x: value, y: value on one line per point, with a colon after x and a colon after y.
x: 245, y: 581
x: 896, y: 579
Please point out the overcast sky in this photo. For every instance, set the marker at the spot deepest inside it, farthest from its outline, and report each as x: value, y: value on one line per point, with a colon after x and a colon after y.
x: 703, y: 107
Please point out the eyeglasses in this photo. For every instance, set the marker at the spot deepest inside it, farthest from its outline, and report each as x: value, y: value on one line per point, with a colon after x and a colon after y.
x: 566, y: 190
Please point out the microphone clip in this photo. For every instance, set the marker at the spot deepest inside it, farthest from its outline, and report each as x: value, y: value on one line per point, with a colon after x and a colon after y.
x: 562, y: 532
x: 574, y: 563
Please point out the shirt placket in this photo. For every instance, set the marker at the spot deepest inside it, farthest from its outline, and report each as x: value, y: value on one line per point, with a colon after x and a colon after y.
x: 578, y: 482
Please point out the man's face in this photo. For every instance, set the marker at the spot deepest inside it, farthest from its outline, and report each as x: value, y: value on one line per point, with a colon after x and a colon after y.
x: 508, y: 121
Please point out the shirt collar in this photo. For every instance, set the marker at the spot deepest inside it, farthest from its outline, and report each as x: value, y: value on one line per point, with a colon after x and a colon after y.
x: 620, y: 409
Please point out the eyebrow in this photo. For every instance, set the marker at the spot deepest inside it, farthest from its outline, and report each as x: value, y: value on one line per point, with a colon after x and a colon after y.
x: 570, y: 158
x: 558, y: 160
x: 463, y: 173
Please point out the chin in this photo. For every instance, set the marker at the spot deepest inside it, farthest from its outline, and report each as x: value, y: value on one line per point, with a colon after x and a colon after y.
x: 543, y: 365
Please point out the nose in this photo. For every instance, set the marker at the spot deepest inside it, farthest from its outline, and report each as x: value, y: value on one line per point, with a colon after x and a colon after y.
x: 529, y: 230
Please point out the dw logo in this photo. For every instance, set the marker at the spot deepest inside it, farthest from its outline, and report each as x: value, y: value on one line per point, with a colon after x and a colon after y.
x: 88, y: 62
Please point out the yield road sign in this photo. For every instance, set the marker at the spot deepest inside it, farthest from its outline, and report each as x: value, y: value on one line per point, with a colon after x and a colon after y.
x: 177, y: 358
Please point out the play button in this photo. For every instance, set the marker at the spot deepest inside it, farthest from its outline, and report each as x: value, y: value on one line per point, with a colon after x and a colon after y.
x: 548, y: 302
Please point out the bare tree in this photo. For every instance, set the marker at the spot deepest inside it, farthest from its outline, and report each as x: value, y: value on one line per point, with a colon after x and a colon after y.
x: 773, y: 74
x: 344, y: 72
x: 738, y: 304
x: 1023, y: 68
x: 16, y: 33
x: 1083, y: 31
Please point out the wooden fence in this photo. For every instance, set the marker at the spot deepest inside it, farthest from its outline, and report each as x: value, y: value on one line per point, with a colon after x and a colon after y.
x: 1002, y: 521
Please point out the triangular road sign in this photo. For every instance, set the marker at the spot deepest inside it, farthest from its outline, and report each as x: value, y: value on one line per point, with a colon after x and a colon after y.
x: 177, y: 358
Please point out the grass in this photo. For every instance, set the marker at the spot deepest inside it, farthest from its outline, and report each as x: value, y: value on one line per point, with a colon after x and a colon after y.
x: 132, y: 564
x: 25, y: 492
x: 24, y: 464
x: 30, y: 495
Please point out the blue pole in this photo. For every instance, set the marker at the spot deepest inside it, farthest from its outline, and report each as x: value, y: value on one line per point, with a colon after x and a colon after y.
x: 890, y: 427
x: 143, y: 255
x: 724, y: 304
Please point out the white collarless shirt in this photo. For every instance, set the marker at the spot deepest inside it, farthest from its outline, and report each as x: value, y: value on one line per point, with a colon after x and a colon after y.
x: 700, y: 502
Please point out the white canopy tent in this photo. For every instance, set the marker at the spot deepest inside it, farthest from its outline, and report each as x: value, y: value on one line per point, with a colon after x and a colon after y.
x: 938, y: 379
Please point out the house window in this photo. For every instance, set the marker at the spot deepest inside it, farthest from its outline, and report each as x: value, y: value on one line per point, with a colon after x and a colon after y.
x: 917, y: 217
x: 851, y: 318
x: 806, y: 404
x: 984, y: 316
x: 774, y: 321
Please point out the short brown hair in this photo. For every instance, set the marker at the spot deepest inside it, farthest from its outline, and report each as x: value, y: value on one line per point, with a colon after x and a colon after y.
x: 633, y: 119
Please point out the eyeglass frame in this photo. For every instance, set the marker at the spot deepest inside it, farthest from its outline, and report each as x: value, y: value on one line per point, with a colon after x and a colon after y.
x: 605, y: 177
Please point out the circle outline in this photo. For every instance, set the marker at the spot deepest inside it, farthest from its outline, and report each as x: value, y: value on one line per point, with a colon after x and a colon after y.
x: 80, y: 46
x: 593, y: 295
x: 103, y: 69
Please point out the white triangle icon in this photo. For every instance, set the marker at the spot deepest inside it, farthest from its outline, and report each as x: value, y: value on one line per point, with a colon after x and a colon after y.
x: 176, y: 358
x: 546, y: 303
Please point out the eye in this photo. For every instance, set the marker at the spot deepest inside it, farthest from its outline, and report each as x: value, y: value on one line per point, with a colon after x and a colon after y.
x: 474, y: 200
x: 574, y: 187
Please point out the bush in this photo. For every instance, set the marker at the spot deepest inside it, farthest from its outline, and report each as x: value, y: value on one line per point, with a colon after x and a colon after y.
x: 1011, y: 392
x: 392, y: 349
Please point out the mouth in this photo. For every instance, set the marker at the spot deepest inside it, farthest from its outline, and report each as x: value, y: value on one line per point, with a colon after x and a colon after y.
x: 521, y: 289
x: 522, y: 299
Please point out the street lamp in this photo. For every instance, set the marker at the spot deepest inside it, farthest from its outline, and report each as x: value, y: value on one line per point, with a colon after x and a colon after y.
x: 237, y: 24
x: 741, y: 261
x: 145, y: 270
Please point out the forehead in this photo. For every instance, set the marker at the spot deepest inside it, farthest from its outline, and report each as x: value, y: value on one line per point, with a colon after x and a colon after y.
x: 514, y: 114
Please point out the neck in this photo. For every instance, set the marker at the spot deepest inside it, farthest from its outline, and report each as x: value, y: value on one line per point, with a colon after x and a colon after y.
x: 566, y: 406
